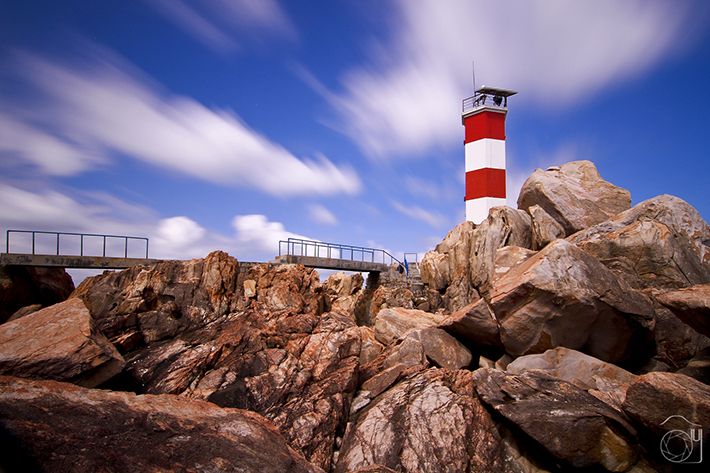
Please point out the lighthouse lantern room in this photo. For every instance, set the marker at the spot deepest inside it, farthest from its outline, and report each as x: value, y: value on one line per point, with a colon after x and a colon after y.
x: 483, y: 118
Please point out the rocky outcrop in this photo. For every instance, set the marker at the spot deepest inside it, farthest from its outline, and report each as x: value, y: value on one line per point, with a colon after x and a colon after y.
x: 507, y: 258
x: 394, y: 324
x: 544, y: 407
x: 544, y: 228
x: 659, y: 243
x: 22, y: 286
x: 574, y: 195
x: 477, y: 327
x: 59, y: 342
x: 676, y: 342
x: 428, y: 423
x: 691, y: 305
x: 564, y: 297
x: 342, y: 292
x: 52, y: 426
x: 604, y: 381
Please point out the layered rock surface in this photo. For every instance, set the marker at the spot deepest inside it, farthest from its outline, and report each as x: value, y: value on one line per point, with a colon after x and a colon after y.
x: 22, y: 286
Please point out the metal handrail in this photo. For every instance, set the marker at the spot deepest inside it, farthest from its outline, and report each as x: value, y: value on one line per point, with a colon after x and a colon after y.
x: 482, y: 100
x: 342, y: 249
x: 81, y: 241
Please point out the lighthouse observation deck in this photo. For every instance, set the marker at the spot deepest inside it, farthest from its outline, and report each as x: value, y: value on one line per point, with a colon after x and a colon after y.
x: 488, y: 98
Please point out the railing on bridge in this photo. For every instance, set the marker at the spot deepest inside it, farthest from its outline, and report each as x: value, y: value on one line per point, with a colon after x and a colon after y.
x: 83, y: 238
x: 320, y: 249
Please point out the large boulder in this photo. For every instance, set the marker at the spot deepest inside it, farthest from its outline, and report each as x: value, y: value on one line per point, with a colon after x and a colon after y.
x: 192, y: 328
x: 564, y: 297
x: 676, y: 342
x: 52, y: 426
x: 428, y: 423
x: 544, y: 228
x: 573, y: 194
x: 572, y: 425
x: 604, y: 381
x: 59, y: 342
x: 691, y: 305
x: 342, y: 291
x: 393, y: 324
x: 660, y: 243
x: 477, y: 327
x: 22, y: 286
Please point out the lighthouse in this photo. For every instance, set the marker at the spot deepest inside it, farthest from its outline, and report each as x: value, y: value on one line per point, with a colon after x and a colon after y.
x: 483, y: 117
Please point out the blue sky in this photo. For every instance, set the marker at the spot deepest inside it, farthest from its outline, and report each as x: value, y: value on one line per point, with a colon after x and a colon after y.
x: 232, y: 124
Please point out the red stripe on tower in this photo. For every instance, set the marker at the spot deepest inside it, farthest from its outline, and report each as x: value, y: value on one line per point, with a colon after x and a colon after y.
x: 484, y: 144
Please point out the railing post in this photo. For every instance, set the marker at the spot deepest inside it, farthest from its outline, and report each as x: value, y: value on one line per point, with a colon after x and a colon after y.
x: 104, y: 245
x: 57, y: 244
x: 81, y: 245
x: 125, y: 252
x: 33, y: 242
x: 146, y: 248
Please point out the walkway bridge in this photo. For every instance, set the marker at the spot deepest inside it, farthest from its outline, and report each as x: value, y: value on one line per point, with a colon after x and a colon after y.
x: 74, y: 250
x: 323, y: 255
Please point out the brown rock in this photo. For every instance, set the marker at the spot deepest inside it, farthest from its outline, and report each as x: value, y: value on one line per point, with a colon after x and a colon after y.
x: 342, y: 292
x: 574, y: 195
x: 27, y: 310
x: 428, y: 423
x: 370, y: 348
x: 507, y: 258
x: 393, y: 324
x: 676, y: 342
x: 59, y: 342
x: 564, y: 297
x: 545, y: 229
x: 476, y: 326
x: 658, y: 243
x: 545, y: 408
x: 21, y: 286
x: 60, y: 427
x: 691, y: 305
x: 441, y: 349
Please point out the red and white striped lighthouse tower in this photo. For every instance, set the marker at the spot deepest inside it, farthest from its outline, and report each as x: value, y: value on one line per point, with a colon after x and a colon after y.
x: 483, y: 118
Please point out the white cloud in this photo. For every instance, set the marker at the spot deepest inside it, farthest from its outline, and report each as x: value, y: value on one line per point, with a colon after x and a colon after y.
x: 555, y: 52
x: 222, y: 24
x: 107, y: 108
x: 417, y: 213
x: 257, y: 232
x: 319, y: 214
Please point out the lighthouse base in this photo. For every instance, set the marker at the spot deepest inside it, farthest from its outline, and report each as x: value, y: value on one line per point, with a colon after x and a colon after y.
x: 477, y: 209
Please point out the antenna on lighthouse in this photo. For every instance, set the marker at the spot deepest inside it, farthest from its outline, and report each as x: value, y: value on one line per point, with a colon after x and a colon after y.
x: 473, y: 71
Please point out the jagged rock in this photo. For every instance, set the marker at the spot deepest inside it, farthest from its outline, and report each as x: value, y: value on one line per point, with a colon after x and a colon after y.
x: 676, y: 342
x: 698, y: 367
x: 58, y: 342
x: 655, y: 400
x: 659, y: 243
x: 393, y: 324
x: 186, y: 328
x: 21, y: 286
x: 370, y: 348
x: 428, y: 423
x: 441, y: 348
x: 391, y: 295
x: 573, y: 194
x: 26, y: 310
x: 545, y: 229
x: 507, y: 258
x: 52, y: 426
x: 342, y: 291
x: 604, y: 381
x: 476, y: 326
x: 564, y: 297
x: 545, y: 408
x: 691, y: 305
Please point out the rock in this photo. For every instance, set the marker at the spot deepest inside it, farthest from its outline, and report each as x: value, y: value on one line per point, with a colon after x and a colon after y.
x: 544, y: 228
x: 659, y: 243
x: 61, y: 427
x: 249, y: 289
x: 604, y: 381
x: 545, y: 408
x: 564, y: 297
x: 441, y: 349
x: 26, y: 310
x: 342, y: 292
x: 186, y: 328
x: 507, y: 258
x: 698, y: 367
x: 654, y: 398
x: 21, y: 286
x: 390, y: 296
x: 393, y: 324
x: 676, y: 342
x: 59, y: 342
x: 370, y: 348
x: 574, y: 195
x: 476, y: 326
x: 691, y: 305
x: 428, y: 423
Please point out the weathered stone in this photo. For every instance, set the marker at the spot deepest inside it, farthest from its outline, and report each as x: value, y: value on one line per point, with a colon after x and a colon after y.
x: 27, y: 310
x: 442, y: 349
x: 61, y: 427
x: 58, y: 342
x: 342, y: 292
x: 656, y: 400
x: 370, y: 348
x: 21, y: 286
x: 545, y: 229
x: 604, y: 381
x: 545, y: 408
x: 659, y: 243
x: 393, y: 324
x: 476, y: 326
x: 507, y: 258
x: 249, y: 288
x: 564, y: 297
x: 676, y: 342
x: 574, y: 195
x: 691, y: 305
x: 698, y: 367
x: 427, y: 423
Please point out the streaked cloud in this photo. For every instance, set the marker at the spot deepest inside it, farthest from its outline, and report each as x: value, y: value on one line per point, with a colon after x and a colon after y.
x: 434, y: 219
x: 320, y: 214
x: 107, y: 108
x: 407, y: 99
